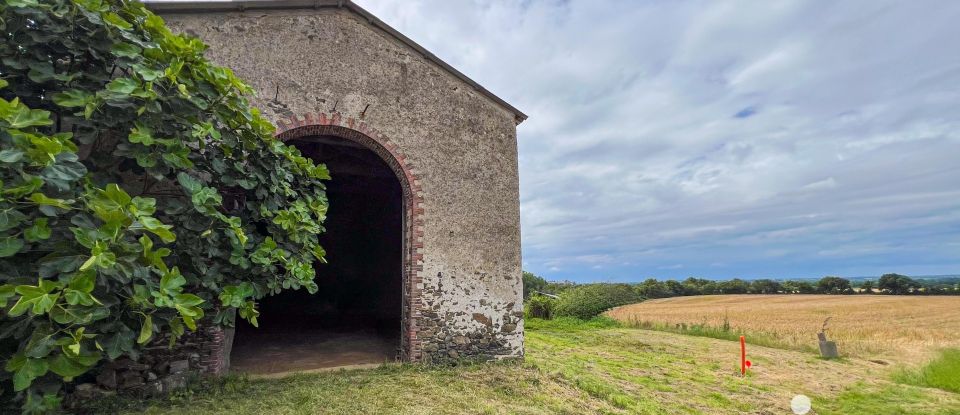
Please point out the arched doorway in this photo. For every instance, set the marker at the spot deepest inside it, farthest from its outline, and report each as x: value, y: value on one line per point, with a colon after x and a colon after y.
x: 358, y: 315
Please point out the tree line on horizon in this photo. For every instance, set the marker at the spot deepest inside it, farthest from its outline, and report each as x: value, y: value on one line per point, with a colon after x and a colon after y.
x: 888, y: 284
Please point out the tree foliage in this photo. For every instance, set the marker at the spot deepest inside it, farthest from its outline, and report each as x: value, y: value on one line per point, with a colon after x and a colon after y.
x: 588, y: 301
x: 140, y: 192
x: 897, y: 284
x: 532, y: 283
x: 652, y: 288
x: 834, y: 285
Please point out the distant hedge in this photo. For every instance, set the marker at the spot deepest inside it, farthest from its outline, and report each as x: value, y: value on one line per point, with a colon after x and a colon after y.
x: 588, y: 301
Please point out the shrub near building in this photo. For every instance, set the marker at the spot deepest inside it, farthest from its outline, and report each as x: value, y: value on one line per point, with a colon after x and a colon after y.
x: 588, y: 301
x: 117, y: 139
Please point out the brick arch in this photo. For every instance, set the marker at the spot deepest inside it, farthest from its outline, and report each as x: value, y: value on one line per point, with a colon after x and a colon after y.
x: 333, y: 124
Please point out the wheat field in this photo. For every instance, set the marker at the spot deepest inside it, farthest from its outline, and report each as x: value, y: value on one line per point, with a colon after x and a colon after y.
x: 902, y: 329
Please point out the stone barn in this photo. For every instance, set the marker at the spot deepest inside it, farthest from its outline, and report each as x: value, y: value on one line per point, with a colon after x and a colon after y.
x: 423, y: 232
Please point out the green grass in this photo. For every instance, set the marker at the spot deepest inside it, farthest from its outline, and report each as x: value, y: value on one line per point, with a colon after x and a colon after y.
x: 722, y: 333
x: 888, y: 399
x: 570, y: 324
x: 942, y: 373
x: 571, y: 367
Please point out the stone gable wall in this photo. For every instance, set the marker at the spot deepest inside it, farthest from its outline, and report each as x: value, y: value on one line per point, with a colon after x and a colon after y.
x: 458, y: 144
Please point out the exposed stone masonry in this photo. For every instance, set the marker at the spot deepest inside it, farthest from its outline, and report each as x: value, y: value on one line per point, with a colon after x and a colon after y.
x: 331, y: 71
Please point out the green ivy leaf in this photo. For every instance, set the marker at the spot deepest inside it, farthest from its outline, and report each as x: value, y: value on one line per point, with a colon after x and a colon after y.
x: 187, y: 300
x: 101, y: 256
x: 6, y: 292
x: 143, y: 206
x: 113, y: 192
x: 11, y: 155
x: 125, y: 50
x: 10, y: 218
x: 148, y: 74
x: 249, y: 312
x: 9, y: 246
x: 188, y: 182
x: 73, y: 98
x: 30, y: 370
x: 146, y: 330
x: 38, y: 231
x: 29, y: 185
x: 66, y: 367
x: 117, y: 21
x: 158, y: 228
x: 22, y: 117
x: 120, y: 343
x: 64, y: 173
x: 43, y: 200
x: 176, y: 327
x: 83, y: 282
x: 22, y: 3
x: 123, y: 86
x: 75, y: 297
x: 141, y: 134
x: 172, y: 281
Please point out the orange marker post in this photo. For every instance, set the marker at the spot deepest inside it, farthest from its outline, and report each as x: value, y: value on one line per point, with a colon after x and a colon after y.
x: 743, y: 356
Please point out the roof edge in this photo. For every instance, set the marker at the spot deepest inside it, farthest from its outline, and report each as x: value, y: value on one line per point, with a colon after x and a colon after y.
x: 213, y: 6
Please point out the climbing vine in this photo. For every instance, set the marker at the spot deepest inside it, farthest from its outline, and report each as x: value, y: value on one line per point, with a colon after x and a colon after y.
x: 139, y: 193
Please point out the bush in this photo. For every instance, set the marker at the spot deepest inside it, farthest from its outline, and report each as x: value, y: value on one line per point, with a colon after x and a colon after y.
x: 587, y: 301
x: 540, y: 306
x: 532, y: 283
x: 140, y: 193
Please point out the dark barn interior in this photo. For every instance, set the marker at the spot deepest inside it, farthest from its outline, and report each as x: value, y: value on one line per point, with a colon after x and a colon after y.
x: 354, y: 318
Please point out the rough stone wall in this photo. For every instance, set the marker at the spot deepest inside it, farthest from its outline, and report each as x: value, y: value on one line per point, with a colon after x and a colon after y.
x: 461, y: 144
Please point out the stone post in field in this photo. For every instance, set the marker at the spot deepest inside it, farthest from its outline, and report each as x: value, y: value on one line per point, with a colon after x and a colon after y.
x: 828, y: 349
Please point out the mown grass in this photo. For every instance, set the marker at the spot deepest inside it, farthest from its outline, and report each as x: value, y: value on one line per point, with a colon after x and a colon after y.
x: 570, y: 324
x: 505, y: 387
x: 942, y: 372
x: 722, y: 332
x: 571, y: 367
x: 884, y: 399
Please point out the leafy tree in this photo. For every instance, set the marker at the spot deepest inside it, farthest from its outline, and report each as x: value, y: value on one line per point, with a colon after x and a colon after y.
x: 897, y: 284
x: 734, y: 286
x: 793, y: 287
x: 140, y: 192
x: 806, y: 287
x: 677, y: 289
x: 651, y: 288
x: 867, y: 287
x: 557, y: 288
x: 531, y: 283
x: 698, y: 286
x: 765, y: 286
x: 834, y: 285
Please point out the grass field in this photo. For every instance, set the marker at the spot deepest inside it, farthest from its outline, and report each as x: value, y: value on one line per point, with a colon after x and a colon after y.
x: 900, y: 329
x: 574, y: 367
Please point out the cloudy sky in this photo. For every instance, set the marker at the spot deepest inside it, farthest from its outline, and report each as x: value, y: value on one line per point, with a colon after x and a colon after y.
x: 720, y: 138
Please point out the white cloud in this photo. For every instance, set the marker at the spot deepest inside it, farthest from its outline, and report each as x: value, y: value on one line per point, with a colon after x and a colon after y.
x: 823, y: 135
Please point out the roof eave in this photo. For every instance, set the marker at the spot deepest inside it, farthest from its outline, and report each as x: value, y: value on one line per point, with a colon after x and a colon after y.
x: 206, y: 6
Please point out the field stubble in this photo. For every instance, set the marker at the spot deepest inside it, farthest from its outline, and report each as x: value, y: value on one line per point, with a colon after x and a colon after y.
x: 903, y: 329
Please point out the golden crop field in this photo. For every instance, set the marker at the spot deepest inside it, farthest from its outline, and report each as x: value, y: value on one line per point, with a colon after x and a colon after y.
x: 903, y: 329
